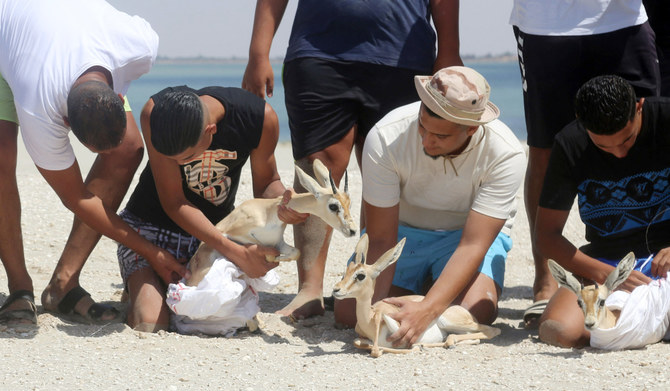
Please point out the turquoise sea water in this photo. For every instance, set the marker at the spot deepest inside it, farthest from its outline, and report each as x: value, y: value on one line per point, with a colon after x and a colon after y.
x: 502, y: 76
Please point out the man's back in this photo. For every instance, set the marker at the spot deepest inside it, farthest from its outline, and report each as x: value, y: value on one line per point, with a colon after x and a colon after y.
x: 45, y: 46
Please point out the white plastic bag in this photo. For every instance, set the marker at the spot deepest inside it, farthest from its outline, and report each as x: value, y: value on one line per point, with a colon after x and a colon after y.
x: 644, y: 319
x: 222, y: 303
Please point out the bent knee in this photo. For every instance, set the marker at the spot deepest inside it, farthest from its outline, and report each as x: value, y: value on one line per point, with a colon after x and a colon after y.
x: 345, y: 313
x: 557, y: 333
x: 150, y: 322
x: 150, y: 327
x: 484, y: 311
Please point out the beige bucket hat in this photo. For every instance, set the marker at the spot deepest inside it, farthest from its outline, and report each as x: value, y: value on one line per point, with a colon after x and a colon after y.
x: 458, y: 94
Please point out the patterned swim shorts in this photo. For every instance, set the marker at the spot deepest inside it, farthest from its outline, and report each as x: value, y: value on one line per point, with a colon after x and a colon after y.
x: 179, y: 245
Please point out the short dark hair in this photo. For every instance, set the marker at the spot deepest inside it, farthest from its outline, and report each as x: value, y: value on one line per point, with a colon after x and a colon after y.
x: 605, y: 104
x: 177, y: 122
x: 96, y: 115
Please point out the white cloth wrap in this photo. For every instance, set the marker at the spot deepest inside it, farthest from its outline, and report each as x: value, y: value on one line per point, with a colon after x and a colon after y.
x: 222, y: 303
x: 644, y: 319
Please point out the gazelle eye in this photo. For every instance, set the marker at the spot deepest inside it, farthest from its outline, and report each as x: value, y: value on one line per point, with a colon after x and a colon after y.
x: 360, y: 277
x: 333, y: 207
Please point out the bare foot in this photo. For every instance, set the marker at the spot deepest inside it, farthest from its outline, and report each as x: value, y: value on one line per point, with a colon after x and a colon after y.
x: 544, y: 289
x: 304, y: 305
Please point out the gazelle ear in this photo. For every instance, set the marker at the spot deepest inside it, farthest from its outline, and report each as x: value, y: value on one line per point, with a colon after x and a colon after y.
x: 346, y: 182
x: 389, y: 257
x: 621, y: 273
x: 362, y: 249
x: 309, y: 183
x: 564, y: 277
x: 321, y: 173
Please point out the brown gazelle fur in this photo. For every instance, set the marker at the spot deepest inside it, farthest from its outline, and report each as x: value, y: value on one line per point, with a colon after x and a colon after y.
x: 455, y: 325
x: 592, y: 298
x: 255, y: 221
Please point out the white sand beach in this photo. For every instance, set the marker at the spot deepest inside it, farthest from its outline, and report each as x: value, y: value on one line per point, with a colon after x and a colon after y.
x: 307, y: 355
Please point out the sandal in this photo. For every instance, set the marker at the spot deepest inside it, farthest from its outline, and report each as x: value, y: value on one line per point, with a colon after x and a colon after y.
x: 26, y: 312
x: 94, y: 314
x: 532, y: 315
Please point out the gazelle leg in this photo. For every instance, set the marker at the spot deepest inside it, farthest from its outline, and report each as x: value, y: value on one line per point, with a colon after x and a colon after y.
x: 458, y: 339
x: 286, y: 252
x: 375, y: 352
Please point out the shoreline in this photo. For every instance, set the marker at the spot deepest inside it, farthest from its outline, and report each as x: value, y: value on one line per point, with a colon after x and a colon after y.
x: 501, y: 57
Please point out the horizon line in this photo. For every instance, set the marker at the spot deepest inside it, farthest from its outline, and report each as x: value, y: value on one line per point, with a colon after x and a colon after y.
x: 507, y: 56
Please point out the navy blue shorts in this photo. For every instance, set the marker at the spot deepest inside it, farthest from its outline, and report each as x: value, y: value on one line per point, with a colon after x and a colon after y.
x: 325, y: 98
x: 553, y: 68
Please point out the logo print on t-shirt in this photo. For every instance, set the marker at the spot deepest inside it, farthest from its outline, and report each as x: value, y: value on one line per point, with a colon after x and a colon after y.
x: 206, y: 175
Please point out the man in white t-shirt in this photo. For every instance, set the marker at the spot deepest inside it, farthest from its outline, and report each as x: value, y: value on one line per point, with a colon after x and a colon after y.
x: 67, y: 66
x: 444, y: 173
x: 561, y: 45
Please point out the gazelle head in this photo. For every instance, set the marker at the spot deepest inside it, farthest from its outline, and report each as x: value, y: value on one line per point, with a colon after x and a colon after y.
x: 358, y: 280
x: 592, y: 298
x: 332, y: 204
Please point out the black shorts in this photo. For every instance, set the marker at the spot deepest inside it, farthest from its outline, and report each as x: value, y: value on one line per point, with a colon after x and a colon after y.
x: 325, y: 98
x: 553, y: 68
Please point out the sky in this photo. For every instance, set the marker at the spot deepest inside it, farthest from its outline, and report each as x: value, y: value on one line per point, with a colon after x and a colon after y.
x: 222, y: 28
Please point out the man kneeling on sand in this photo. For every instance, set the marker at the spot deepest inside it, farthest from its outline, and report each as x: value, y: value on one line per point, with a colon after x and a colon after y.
x: 444, y: 173
x: 198, y: 141
x: 615, y: 159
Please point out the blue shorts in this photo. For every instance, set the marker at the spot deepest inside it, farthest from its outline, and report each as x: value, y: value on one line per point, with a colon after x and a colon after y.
x: 426, y: 253
x: 642, y: 265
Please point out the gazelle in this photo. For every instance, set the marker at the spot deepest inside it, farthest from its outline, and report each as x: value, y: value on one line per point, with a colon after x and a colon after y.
x: 255, y: 221
x: 373, y: 322
x: 592, y: 298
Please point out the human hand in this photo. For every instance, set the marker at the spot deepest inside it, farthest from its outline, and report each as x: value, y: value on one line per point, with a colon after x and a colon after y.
x: 259, y: 77
x: 288, y: 215
x: 661, y: 263
x: 255, y: 263
x: 635, y: 279
x: 168, y: 268
x: 414, y: 318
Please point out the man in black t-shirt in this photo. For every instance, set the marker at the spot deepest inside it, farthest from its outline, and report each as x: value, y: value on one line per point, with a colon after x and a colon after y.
x: 614, y: 158
x: 197, y: 142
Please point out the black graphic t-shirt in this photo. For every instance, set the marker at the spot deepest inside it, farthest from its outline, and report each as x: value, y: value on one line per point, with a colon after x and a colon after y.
x: 624, y: 203
x: 209, y: 181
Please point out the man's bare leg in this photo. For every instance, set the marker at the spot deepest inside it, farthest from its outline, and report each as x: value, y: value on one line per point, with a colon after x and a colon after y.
x: 147, y: 310
x: 312, y: 237
x: 544, y: 285
x: 11, y: 239
x: 109, y: 179
x: 480, y: 297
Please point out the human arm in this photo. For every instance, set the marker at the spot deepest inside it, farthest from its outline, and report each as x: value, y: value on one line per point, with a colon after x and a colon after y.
x: 445, y: 19
x: 258, y: 75
x: 553, y: 245
x: 558, y: 194
x: 478, y: 235
x: 89, y: 208
x: 382, y: 229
